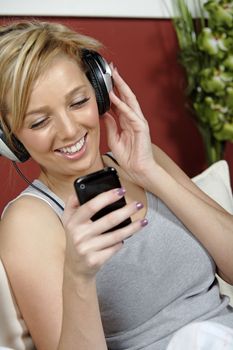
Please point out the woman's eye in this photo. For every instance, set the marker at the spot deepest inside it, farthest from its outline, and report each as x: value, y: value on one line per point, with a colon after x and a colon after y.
x: 79, y: 103
x: 38, y: 124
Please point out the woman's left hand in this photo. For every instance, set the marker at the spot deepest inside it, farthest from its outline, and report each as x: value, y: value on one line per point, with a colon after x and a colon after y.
x: 131, y: 145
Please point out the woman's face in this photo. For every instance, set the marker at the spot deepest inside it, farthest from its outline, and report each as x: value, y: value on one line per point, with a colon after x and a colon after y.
x: 61, y: 126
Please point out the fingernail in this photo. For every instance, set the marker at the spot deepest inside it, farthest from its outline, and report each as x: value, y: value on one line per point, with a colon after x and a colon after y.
x: 111, y: 65
x: 139, y: 205
x: 120, y: 191
x: 144, y: 222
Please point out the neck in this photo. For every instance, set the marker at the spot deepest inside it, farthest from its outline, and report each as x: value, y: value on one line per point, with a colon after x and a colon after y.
x: 62, y: 185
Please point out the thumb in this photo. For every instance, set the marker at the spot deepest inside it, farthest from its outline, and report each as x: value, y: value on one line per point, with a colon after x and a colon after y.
x: 71, y: 206
x: 72, y: 202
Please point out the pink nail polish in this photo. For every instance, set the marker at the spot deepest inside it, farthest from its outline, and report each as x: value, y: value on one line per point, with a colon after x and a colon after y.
x: 139, y: 205
x: 121, y: 191
x: 144, y: 222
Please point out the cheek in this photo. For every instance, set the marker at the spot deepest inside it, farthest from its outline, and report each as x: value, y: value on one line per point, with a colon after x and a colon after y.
x: 34, y: 143
x: 93, y: 115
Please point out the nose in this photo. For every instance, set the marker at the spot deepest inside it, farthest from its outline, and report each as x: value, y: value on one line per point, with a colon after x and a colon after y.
x: 66, y: 126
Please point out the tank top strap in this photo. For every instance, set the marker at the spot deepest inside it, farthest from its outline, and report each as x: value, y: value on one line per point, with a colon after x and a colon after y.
x: 108, y: 154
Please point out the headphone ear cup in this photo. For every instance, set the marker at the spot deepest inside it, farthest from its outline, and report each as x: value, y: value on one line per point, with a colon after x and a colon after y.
x: 19, y: 154
x: 100, y: 77
x: 102, y: 98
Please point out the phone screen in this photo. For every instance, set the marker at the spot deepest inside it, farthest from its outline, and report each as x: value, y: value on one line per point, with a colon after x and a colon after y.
x: 89, y: 186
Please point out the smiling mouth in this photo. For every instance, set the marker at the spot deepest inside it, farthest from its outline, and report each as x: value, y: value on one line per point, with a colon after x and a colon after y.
x: 74, y: 148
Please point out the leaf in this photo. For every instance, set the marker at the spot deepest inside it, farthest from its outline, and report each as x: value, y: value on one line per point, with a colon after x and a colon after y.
x: 206, y: 53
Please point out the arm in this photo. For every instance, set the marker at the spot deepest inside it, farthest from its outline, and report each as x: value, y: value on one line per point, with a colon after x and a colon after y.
x: 179, y: 175
x: 153, y: 170
x: 211, y: 224
x: 81, y: 323
x: 32, y: 250
x: 81, y: 316
x: 36, y: 252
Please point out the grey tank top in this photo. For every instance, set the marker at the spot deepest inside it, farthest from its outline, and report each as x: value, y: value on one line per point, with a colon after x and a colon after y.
x: 161, y: 280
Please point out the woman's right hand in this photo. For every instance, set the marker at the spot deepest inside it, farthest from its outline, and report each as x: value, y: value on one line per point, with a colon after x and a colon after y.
x: 87, y: 246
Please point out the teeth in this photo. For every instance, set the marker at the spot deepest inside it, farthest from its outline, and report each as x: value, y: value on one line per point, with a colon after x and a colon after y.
x: 73, y: 149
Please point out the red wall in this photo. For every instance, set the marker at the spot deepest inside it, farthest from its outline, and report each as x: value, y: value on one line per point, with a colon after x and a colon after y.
x: 145, y: 53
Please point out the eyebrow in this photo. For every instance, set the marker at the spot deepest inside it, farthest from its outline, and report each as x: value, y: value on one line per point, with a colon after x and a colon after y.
x: 67, y: 97
x: 73, y: 91
x: 36, y: 111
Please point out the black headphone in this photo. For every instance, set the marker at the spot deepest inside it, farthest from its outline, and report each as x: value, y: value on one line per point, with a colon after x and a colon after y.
x: 100, y: 76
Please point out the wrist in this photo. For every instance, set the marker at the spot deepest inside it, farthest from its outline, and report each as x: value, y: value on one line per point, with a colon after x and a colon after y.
x: 149, y: 177
x: 77, y: 281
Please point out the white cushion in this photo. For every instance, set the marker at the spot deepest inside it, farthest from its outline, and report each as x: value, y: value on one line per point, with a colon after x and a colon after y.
x: 13, y: 331
x: 215, y: 181
x: 205, y: 335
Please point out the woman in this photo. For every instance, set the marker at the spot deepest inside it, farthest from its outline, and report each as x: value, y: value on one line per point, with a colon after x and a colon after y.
x: 132, y: 295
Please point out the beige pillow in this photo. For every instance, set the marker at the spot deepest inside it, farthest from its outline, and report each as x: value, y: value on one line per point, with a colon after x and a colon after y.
x: 215, y: 181
x: 13, y: 331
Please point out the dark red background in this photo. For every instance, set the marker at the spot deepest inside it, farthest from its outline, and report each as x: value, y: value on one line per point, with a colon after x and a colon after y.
x: 145, y: 53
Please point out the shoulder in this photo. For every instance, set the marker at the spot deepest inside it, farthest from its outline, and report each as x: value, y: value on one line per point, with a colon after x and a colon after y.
x: 28, y: 209
x: 29, y: 223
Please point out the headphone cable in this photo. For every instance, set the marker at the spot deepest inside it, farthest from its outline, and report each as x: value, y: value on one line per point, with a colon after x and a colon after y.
x: 35, y: 187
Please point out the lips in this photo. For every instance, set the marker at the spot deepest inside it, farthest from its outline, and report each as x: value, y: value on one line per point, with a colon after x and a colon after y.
x: 72, y: 149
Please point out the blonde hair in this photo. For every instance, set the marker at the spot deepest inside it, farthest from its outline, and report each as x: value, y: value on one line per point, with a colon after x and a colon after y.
x: 26, y: 49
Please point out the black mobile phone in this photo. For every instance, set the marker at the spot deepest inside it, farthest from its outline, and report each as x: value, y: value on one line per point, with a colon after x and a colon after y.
x: 89, y: 186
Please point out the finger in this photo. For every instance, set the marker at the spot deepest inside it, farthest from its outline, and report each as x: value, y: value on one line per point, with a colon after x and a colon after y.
x: 105, y: 223
x: 100, y: 248
x: 90, y: 235
x: 90, y: 208
x: 121, y: 86
x: 111, y: 129
x: 117, y: 216
x: 125, y: 92
x: 71, y: 206
x: 109, y: 239
x: 96, y: 260
x: 72, y: 202
x: 127, y: 111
